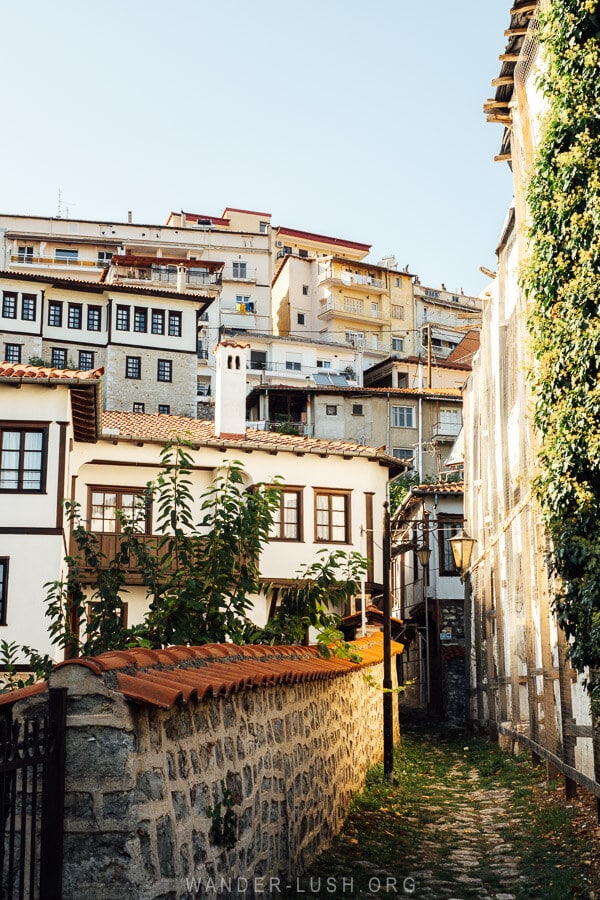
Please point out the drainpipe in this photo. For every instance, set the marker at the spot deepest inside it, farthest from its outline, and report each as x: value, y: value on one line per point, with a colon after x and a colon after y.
x: 420, y: 413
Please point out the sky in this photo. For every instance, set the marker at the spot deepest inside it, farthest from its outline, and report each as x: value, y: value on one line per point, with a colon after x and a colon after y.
x: 352, y: 119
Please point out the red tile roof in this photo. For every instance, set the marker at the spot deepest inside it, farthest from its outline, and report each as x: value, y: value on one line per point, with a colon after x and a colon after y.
x: 40, y: 687
x: 163, y: 678
x: 159, y: 427
x: 322, y: 238
x: 442, y: 487
x: 451, y: 393
x: 17, y: 370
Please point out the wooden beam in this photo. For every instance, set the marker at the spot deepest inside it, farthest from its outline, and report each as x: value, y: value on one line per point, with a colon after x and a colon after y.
x: 509, y: 57
x: 528, y: 6
x: 504, y: 120
x: 495, y: 104
x: 503, y: 157
x: 502, y: 80
x: 517, y: 31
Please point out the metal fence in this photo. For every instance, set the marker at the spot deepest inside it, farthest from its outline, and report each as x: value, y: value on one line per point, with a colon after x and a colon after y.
x: 32, y: 776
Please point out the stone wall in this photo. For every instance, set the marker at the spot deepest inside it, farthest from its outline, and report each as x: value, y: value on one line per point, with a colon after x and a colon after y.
x: 143, y: 783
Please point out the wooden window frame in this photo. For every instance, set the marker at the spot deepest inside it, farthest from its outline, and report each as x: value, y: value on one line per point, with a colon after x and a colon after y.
x: 140, y: 318
x: 94, y: 310
x: 89, y: 353
x: 447, y: 526
x: 8, y: 354
x: 157, y: 317
x: 28, y: 301
x: 55, y: 311
x: 4, y: 566
x: 26, y: 428
x: 57, y: 365
x: 175, y: 317
x: 131, y: 360
x: 75, y: 316
x: 9, y: 302
x: 298, y: 490
x: 122, y: 317
x: 334, y: 492
x: 164, y: 367
x: 119, y: 490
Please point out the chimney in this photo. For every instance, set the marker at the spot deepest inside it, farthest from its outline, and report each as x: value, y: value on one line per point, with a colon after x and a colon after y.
x: 129, y: 217
x: 181, y: 278
x: 230, y: 389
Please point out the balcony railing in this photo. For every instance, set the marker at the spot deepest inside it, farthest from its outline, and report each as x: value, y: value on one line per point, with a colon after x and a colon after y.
x: 237, y: 273
x: 446, y: 429
x: 27, y: 260
x: 109, y: 544
x: 353, y: 279
x: 166, y: 275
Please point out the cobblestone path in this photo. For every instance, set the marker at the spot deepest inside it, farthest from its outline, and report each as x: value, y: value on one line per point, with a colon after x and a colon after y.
x: 457, y: 823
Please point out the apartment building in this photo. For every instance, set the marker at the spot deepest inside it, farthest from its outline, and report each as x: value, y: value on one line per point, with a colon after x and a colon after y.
x: 144, y: 338
x: 443, y: 317
x: 416, y: 426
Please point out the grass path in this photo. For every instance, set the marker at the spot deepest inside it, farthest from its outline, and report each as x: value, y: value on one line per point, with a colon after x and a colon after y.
x: 462, y: 819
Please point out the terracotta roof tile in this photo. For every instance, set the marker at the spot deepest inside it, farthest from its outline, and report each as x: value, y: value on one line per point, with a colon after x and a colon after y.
x: 163, y: 678
x: 160, y: 427
x: 451, y: 487
x: 17, y: 370
x: 357, y: 391
x: 40, y: 687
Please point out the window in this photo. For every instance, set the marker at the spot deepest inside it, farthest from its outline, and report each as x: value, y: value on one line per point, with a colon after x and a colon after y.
x: 287, y: 518
x: 55, y: 313
x: 94, y: 318
x: 397, y: 282
x: 323, y: 364
x: 331, y: 410
x: 300, y: 318
x: 357, y: 409
x: 104, y: 257
x: 175, y: 324
x: 122, y: 318
x: 397, y: 311
x: 23, y: 459
x: 140, y: 319
x: 446, y: 530
x: 9, y: 305
x: 75, y: 315
x: 332, y: 516
x: 58, y: 358
x: 25, y: 254
x: 374, y: 310
x: 356, y: 338
x: 28, y: 302
x: 402, y: 417
x: 263, y: 227
x: 293, y: 362
x: 66, y: 256
x: 244, y: 304
x: 258, y: 360
x: 303, y: 253
x: 86, y: 360
x: 305, y: 290
x: 133, y: 367
x: 164, y: 409
x: 240, y: 269
x: 158, y: 321
x: 139, y: 407
x: 3, y: 588
x: 164, y: 370
x: 105, y: 503
x: 12, y: 353
x: 401, y: 453
x: 398, y: 344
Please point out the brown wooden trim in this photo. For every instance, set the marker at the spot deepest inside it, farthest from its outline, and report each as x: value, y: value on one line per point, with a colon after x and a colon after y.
x: 27, y: 530
x: 60, y: 482
x: 4, y: 562
x: 118, y: 489
x: 139, y: 465
x: 334, y: 492
x: 298, y: 490
x: 370, y: 543
x: 23, y: 427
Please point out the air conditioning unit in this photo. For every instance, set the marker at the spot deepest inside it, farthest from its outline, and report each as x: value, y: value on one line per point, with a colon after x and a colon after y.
x: 279, y: 243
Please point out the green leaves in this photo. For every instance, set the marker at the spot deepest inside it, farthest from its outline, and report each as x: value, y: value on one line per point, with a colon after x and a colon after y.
x: 562, y: 283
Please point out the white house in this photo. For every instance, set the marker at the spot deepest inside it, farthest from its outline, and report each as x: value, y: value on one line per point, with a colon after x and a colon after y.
x: 333, y: 491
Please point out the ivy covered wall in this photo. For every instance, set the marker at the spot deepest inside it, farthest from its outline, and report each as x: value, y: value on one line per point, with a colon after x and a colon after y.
x: 562, y: 283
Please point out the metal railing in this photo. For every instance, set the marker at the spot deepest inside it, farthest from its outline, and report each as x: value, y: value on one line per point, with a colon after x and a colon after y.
x: 54, y: 261
x: 32, y: 785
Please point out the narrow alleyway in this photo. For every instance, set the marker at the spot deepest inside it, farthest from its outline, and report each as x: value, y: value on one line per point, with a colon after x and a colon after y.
x: 461, y: 820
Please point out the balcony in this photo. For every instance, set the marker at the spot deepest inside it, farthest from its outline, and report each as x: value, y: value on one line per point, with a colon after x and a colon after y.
x: 350, y: 308
x: 446, y: 432
x: 178, y: 274
x: 48, y: 262
x: 358, y: 281
x: 109, y: 545
x: 283, y: 427
x: 239, y: 272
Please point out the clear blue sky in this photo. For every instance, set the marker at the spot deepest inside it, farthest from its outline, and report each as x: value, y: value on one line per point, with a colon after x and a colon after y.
x: 357, y: 120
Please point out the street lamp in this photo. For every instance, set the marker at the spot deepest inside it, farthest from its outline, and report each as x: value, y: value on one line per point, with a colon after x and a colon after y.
x: 424, y: 554
x: 462, y: 548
